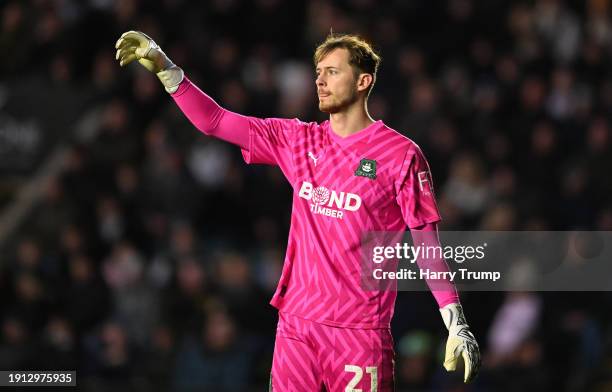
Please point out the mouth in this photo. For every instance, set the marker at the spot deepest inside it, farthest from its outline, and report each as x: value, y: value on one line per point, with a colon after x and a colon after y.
x: 324, y: 95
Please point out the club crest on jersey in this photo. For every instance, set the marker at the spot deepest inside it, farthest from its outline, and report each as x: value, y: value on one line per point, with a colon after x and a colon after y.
x: 324, y: 201
x: 366, y: 168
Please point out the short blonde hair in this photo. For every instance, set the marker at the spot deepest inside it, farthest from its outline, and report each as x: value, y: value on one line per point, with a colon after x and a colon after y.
x: 362, y: 56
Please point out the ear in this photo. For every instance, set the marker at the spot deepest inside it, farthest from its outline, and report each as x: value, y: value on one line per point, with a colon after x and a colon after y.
x: 364, y: 81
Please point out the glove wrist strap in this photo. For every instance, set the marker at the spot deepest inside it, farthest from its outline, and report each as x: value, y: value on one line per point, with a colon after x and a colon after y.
x: 453, y: 317
x: 171, y: 78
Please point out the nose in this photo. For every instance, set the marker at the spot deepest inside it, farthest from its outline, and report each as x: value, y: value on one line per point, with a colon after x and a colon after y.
x: 320, y: 81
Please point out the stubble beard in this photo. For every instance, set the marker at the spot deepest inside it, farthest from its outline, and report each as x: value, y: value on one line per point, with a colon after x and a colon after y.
x: 340, y: 104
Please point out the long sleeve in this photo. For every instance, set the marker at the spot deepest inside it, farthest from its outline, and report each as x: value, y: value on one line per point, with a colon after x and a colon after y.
x: 444, y: 291
x: 210, y: 118
x: 262, y: 140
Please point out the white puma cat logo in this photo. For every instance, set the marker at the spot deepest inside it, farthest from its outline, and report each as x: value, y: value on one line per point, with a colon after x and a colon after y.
x: 312, y: 156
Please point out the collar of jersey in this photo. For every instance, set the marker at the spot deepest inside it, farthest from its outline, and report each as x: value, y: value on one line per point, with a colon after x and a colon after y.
x: 357, y: 136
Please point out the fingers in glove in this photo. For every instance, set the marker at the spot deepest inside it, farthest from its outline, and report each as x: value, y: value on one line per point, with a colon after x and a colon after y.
x: 122, y: 41
x: 128, y: 59
x: 471, y: 358
x: 126, y: 43
x: 132, y: 38
x: 450, y: 362
x: 124, y: 52
x: 142, y: 39
x: 450, y: 366
x: 467, y: 365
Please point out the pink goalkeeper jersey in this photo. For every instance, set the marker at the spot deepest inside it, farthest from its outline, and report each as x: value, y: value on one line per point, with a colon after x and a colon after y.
x: 374, y: 180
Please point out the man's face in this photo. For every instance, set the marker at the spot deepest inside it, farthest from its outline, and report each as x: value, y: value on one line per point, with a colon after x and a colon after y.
x: 336, y: 82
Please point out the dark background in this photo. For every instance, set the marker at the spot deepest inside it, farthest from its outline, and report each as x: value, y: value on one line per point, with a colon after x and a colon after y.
x: 144, y: 253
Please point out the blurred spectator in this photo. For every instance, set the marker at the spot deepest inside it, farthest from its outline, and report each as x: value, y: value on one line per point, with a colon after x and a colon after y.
x: 86, y: 300
x: 159, y: 359
x: 187, y: 297
x: 514, y: 323
x: 466, y: 188
x: 54, y: 209
x: 216, y: 359
x: 59, y: 346
x: 247, y: 302
x: 31, y: 302
x: 416, y: 355
x: 135, y: 299
x: 16, y: 349
x: 110, y: 357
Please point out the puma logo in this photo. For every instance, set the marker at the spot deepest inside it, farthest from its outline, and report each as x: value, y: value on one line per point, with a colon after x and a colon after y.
x: 313, y: 157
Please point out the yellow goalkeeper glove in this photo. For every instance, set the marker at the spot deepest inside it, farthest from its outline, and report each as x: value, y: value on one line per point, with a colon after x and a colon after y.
x: 461, y: 342
x: 135, y: 45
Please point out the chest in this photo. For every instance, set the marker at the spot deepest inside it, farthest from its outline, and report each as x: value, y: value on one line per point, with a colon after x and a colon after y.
x: 335, y: 181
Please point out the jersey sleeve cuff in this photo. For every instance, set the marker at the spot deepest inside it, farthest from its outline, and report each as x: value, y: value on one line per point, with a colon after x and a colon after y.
x: 182, y: 88
x: 421, y: 222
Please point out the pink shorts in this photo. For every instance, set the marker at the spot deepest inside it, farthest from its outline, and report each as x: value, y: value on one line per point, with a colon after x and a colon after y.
x: 313, y: 357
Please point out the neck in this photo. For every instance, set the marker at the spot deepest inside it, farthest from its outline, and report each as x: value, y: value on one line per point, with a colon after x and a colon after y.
x: 350, y: 121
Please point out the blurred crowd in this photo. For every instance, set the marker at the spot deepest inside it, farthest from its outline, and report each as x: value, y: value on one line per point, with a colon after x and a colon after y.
x: 150, y: 259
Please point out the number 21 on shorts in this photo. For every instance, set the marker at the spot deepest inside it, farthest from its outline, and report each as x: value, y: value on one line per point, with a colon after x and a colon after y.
x: 358, y: 375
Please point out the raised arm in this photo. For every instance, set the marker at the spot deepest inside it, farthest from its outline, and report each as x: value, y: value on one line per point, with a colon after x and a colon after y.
x: 203, y: 112
x: 210, y: 118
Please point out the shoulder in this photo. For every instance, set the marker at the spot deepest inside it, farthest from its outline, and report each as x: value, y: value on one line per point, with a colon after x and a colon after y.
x: 286, y: 123
x: 309, y: 131
x: 286, y: 128
x: 301, y: 127
x: 401, y: 145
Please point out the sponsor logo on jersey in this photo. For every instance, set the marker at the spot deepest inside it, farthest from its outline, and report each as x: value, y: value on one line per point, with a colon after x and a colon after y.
x: 324, y: 201
x: 424, y: 180
x: 366, y: 168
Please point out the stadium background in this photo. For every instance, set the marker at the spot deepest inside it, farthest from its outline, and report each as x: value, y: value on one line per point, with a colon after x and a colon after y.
x: 143, y: 254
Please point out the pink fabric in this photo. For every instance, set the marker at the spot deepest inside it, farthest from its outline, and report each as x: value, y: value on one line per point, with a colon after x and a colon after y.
x: 308, y: 355
x: 333, y: 204
x: 209, y: 117
x: 333, y: 207
x: 443, y: 291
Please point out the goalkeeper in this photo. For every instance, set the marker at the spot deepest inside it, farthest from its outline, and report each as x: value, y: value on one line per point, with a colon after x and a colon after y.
x: 350, y: 175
